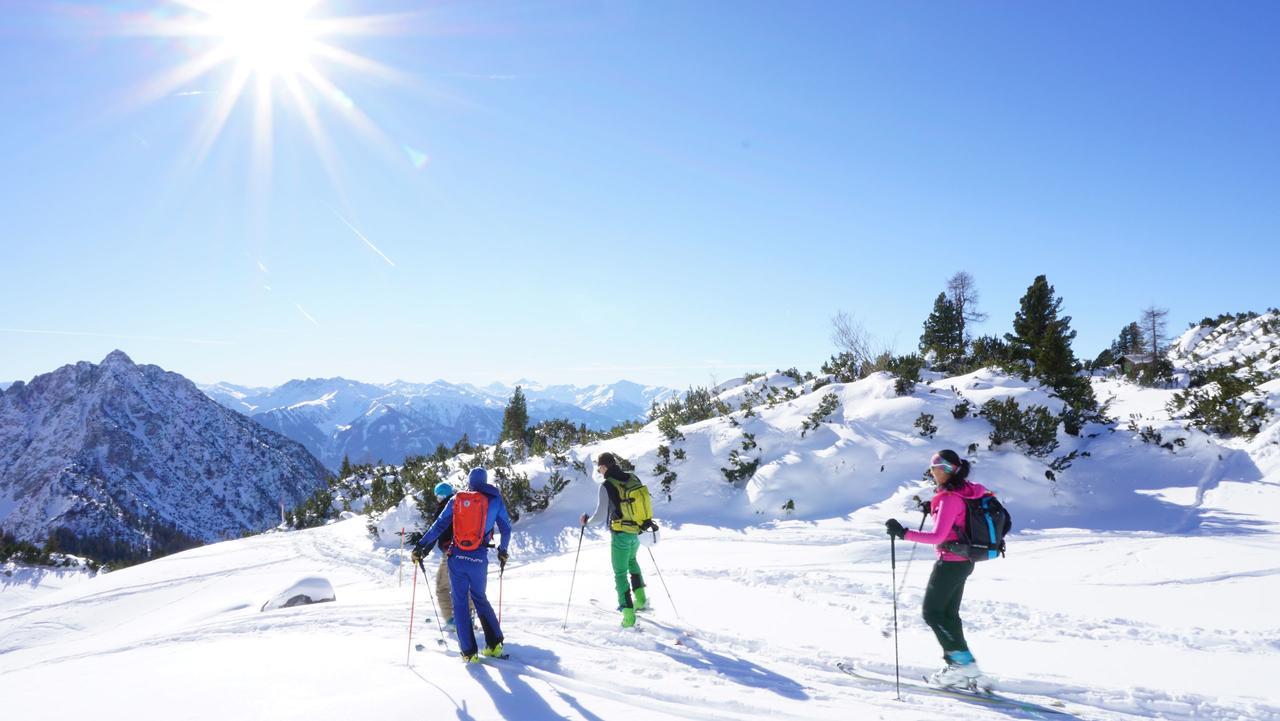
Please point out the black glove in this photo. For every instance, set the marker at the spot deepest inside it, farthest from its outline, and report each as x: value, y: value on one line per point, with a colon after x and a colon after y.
x: 502, y: 559
x: 923, y: 505
x: 417, y: 554
x: 649, y: 525
x: 895, y: 529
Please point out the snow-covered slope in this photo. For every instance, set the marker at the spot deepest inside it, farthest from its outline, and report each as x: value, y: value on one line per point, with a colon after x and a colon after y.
x: 118, y: 451
x: 1105, y: 626
x: 1251, y: 341
x: 1137, y: 585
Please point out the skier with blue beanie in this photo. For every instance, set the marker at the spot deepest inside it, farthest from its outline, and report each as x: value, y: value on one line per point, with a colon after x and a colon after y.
x: 471, y: 516
x: 443, y: 492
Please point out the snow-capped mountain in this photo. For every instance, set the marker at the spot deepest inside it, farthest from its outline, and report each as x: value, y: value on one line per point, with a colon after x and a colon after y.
x: 121, y: 452
x: 336, y: 418
x: 621, y: 401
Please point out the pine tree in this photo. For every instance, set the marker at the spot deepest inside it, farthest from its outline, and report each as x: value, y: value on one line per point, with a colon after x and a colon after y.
x: 1129, y: 342
x: 942, y: 331
x: 1055, y: 362
x: 1037, y: 310
x: 1043, y: 338
x: 515, y: 419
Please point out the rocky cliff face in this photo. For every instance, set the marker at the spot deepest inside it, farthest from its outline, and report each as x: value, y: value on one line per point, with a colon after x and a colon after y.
x: 133, y: 456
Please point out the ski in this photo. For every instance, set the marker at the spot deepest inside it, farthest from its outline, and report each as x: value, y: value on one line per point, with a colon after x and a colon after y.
x: 980, y: 697
x: 677, y: 635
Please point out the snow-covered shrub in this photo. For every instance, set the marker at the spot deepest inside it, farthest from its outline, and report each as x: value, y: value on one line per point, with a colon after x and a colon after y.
x: 924, y: 423
x: 669, y: 427
x: 1224, y: 400
x: 662, y: 469
x: 830, y: 402
x: 1034, y: 429
x: 961, y: 409
x: 907, y: 369
x: 741, y: 468
x: 844, y: 367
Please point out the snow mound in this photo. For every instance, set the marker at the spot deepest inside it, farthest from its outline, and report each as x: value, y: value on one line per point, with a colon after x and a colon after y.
x: 312, y: 589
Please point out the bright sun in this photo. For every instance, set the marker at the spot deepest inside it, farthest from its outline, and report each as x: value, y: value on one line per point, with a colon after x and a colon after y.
x: 274, y: 46
x: 273, y: 38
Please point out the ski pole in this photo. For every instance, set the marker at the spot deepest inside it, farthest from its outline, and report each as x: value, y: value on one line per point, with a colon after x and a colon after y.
x: 664, y: 581
x: 912, y: 557
x: 434, y: 608
x: 571, y: 578
x: 500, y: 572
x: 413, y: 603
x: 893, y: 569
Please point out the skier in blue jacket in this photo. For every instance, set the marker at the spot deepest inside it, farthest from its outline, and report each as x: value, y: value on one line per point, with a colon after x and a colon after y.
x: 468, y: 569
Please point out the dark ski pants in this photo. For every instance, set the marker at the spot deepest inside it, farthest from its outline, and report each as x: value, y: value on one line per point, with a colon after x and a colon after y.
x: 942, y: 603
x: 467, y: 576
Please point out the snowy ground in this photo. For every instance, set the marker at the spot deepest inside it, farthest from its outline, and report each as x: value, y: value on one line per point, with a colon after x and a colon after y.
x: 1139, y: 584
x: 1114, y: 625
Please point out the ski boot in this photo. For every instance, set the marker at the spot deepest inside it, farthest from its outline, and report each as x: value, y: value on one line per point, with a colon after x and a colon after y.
x: 471, y: 658
x: 628, y: 617
x: 642, y: 601
x: 961, y: 672
x: 494, y: 651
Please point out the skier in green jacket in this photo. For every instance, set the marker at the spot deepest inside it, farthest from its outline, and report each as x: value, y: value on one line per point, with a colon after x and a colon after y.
x: 625, y: 540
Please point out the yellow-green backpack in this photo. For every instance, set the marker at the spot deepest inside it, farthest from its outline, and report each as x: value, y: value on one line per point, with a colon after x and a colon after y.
x: 634, y: 505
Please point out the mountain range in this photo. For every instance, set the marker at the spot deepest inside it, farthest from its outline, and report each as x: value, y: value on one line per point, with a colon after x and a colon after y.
x: 337, y: 418
x: 127, y: 457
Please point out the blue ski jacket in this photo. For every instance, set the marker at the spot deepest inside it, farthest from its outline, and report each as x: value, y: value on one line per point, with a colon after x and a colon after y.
x: 497, y: 517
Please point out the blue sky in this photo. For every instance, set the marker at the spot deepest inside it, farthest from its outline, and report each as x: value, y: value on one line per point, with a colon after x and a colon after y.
x: 669, y: 192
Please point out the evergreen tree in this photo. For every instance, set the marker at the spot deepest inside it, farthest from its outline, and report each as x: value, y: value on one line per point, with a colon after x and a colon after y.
x: 1055, y: 362
x: 943, y: 330
x: 1038, y: 308
x: 1129, y: 342
x: 515, y: 419
x: 1043, y: 338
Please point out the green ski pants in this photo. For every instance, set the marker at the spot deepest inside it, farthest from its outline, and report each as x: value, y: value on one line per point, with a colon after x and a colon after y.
x: 622, y: 553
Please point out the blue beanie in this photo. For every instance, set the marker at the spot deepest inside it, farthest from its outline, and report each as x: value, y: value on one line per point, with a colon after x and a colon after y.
x: 443, y: 489
x: 477, y: 478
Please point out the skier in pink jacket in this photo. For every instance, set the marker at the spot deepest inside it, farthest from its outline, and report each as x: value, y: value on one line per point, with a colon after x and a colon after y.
x: 946, y: 584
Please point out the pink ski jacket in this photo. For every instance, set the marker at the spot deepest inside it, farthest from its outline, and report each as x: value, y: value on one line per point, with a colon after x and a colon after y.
x: 948, y: 511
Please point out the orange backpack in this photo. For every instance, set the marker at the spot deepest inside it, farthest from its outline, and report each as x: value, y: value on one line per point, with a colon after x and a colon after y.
x: 470, y: 511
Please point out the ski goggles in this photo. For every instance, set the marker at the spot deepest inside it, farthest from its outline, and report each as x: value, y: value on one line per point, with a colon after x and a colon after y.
x: 939, y: 462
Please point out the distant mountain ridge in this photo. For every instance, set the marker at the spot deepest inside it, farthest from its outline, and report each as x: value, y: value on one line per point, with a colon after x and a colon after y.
x: 337, y: 417
x: 133, y: 455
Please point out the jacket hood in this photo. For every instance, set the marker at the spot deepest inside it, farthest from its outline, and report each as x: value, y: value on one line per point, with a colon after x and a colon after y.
x: 478, y: 480
x: 970, y: 490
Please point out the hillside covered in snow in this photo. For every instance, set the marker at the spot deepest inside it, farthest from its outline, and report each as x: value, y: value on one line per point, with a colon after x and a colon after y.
x: 1136, y: 584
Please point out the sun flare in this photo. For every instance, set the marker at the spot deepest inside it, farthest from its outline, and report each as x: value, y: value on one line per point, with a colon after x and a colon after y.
x: 270, y: 38
x: 285, y: 50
